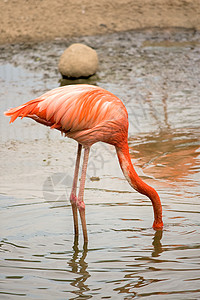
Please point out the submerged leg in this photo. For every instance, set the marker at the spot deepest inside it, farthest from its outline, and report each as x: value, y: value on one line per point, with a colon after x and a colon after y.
x: 80, y: 202
x: 73, y: 198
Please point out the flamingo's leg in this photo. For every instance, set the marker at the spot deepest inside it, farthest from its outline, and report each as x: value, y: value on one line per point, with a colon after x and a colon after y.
x: 73, y: 198
x: 80, y: 202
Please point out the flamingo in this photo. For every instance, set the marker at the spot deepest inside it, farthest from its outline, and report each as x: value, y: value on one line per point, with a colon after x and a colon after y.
x: 88, y: 114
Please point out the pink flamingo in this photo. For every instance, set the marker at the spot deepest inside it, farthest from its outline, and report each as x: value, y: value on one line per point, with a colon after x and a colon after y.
x: 88, y: 114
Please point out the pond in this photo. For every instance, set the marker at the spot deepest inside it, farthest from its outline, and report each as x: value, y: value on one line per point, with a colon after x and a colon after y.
x: 157, y: 76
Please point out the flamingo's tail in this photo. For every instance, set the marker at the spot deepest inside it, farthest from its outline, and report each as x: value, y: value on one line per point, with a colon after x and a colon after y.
x: 24, y: 110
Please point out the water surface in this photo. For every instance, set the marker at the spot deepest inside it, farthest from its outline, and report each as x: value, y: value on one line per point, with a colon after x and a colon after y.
x: 156, y: 74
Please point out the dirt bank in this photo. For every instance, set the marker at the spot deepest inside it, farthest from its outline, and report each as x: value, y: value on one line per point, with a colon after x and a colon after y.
x: 26, y: 20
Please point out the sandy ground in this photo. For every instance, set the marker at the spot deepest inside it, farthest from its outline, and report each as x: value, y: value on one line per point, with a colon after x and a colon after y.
x: 28, y: 20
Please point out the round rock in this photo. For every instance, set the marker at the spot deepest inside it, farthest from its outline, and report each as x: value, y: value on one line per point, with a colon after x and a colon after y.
x: 78, y: 60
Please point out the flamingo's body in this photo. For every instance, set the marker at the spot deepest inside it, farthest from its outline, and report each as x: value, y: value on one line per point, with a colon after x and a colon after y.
x: 88, y: 114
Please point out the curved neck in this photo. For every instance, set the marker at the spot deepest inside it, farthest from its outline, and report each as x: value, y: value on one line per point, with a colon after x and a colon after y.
x: 138, y: 184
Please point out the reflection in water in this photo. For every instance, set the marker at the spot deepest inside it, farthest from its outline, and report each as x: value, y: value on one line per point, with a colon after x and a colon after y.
x: 155, y: 115
x: 132, y: 278
x: 157, y: 243
x: 67, y: 81
x: 175, y: 151
x: 79, y: 266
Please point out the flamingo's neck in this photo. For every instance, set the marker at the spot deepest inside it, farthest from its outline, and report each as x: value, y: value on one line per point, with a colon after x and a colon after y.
x: 138, y: 184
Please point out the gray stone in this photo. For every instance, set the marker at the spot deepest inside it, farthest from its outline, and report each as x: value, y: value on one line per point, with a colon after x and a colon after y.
x: 78, y: 60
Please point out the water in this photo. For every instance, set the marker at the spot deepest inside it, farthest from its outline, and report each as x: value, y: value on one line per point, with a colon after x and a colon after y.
x: 156, y: 74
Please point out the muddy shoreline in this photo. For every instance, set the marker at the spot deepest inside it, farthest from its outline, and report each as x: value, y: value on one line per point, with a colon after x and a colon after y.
x: 35, y: 21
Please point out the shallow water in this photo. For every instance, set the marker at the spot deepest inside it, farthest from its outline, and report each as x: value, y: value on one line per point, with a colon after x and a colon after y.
x: 157, y: 75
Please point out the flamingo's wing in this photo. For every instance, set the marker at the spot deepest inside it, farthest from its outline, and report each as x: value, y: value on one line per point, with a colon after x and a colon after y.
x: 71, y: 108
